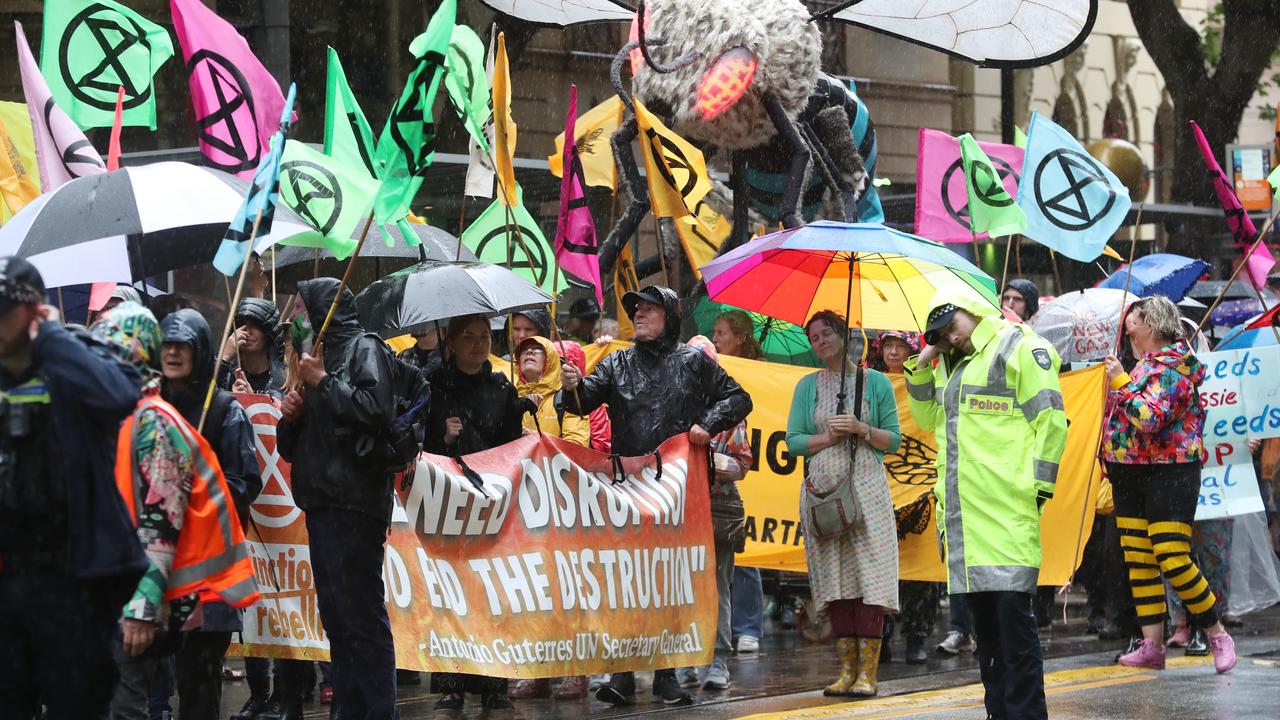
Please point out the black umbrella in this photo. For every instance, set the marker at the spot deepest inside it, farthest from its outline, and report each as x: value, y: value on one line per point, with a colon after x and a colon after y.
x: 1210, y: 289
x: 133, y: 223
x: 415, y: 298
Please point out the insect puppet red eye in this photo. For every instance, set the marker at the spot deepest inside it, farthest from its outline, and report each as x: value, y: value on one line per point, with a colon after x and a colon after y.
x: 726, y: 81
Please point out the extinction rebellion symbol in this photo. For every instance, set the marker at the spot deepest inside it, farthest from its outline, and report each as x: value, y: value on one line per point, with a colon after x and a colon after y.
x: 231, y: 127
x: 525, y: 251
x: 96, y: 78
x: 1067, y: 174
x: 987, y: 189
x: 313, y: 192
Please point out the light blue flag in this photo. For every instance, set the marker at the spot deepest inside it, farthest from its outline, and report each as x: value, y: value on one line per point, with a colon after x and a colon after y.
x: 261, y: 197
x: 1073, y: 203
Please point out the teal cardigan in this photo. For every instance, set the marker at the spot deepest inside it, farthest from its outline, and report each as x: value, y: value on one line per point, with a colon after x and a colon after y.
x: 883, y: 405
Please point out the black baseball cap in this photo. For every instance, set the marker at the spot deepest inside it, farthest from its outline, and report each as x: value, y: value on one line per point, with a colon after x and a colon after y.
x: 632, y: 299
x: 585, y: 308
x: 20, y: 284
x: 938, y: 320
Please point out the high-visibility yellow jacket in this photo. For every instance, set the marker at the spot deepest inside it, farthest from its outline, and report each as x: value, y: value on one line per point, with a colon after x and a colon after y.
x: 998, y: 418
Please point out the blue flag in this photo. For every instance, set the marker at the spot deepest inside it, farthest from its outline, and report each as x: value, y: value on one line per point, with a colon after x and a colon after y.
x: 1073, y: 203
x: 260, y: 198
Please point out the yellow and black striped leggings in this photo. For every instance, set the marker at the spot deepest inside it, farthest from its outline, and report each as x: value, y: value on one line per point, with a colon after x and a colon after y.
x: 1155, y: 506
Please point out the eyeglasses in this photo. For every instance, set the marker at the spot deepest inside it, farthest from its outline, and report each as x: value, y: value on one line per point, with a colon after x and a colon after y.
x: 535, y: 349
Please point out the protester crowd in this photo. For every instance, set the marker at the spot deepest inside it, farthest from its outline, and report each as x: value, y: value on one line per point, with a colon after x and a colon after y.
x: 125, y: 488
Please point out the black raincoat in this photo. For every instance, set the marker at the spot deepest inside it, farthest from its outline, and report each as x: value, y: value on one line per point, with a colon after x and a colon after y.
x: 263, y: 315
x: 487, y: 403
x: 357, y: 397
x: 231, y: 439
x: 659, y: 389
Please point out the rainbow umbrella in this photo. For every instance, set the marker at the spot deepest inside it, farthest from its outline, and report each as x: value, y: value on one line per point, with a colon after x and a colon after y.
x: 883, y: 278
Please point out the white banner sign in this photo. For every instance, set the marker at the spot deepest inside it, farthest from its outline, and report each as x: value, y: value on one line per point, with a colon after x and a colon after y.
x: 1241, y: 397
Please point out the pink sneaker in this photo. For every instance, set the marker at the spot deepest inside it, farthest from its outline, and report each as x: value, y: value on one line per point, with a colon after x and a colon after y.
x: 1179, y: 638
x: 1148, y: 655
x: 1224, y: 652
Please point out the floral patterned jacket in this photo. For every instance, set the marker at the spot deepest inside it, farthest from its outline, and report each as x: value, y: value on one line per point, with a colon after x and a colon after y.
x: 1155, y: 415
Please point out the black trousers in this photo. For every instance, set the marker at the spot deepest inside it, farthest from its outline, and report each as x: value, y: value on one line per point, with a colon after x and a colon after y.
x: 55, y: 648
x: 347, y: 551
x: 1009, y: 655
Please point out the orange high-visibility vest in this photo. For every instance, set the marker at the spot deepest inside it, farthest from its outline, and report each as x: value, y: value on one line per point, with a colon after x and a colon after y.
x: 212, y: 558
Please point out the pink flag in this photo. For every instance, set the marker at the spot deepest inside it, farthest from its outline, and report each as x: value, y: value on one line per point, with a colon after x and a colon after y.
x: 237, y: 103
x: 62, y: 151
x: 1260, y: 261
x: 576, y: 246
x: 942, y: 199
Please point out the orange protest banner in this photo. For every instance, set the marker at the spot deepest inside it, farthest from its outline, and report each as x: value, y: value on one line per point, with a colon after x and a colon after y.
x: 547, y: 567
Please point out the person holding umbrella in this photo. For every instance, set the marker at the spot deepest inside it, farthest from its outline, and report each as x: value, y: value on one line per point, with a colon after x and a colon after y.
x: 473, y: 408
x: 995, y: 405
x: 853, y: 560
x: 655, y: 390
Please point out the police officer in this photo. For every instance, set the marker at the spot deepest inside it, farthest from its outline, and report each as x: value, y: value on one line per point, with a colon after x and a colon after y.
x: 68, y: 557
x: 994, y: 380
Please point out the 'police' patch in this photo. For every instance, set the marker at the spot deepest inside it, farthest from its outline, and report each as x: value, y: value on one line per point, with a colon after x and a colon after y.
x: 1042, y: 358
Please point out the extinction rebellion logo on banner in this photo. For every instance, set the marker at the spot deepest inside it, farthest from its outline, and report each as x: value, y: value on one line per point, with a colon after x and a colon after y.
x: 538, y: 565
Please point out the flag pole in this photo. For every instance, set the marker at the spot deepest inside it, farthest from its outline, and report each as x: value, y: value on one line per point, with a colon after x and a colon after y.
x: 346, y: 276
x: 1008, y: 250
x: 462, y: 219
x: 1057, y: 274
x: 1254, y: 246
x: 231, y: 319
x: 1133, y: 251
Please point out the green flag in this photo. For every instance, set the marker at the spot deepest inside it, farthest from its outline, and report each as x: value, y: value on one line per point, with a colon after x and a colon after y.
x: 520, y: 246
x: 991, y: 207
x: 467, y: 82
x: 1274, y: 180
x: 408, y: 141
x: 330, y: 195
x: 92, y: 48
x: 347, y: 137
x: 1019, y: 138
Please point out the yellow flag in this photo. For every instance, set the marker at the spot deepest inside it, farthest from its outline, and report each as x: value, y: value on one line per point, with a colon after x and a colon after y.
x: 676, y: 170
x: 504, y: 128
x: 19, y: 176
x: 592, y: 132
x: 624, y: 281
x: 1109, y: 252
x: 702, y: 239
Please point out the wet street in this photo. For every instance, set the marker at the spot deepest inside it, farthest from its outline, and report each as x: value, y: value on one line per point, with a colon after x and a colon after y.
x: 784, y: 681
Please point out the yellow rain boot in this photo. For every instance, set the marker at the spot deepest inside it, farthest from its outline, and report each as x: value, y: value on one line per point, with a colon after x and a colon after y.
x: 847, y: 651
x: 868, y: 664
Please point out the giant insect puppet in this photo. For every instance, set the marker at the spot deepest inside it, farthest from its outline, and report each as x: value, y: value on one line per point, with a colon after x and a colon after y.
x: 744, y: 77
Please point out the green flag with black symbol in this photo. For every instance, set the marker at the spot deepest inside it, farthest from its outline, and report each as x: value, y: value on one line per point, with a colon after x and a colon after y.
x: 347, y: 137
x: 515, y: 242
x: 92, y: 48
x: 332, y: 196
x: 467, y: 82
x: 408, y: 141
x: 991, y: 207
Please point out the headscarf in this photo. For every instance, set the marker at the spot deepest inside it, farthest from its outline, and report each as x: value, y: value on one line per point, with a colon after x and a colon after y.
x: 133, y: 334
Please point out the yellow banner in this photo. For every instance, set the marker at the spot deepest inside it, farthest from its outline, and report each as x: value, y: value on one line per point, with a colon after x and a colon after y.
x: 675, y: 169
x: 592, y: 132
x: 504, y: 127
x: 702, y: 239
x: 624, y: 281
x: 19, y: 173
x: 771, y: 491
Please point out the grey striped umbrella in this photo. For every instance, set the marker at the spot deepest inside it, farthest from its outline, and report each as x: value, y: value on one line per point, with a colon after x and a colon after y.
x: 384, y: 241
x: 134, y: 223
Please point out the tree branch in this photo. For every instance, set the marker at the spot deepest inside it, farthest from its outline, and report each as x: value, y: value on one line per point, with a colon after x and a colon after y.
x: 1172, y: 43
x: 1250, y: 34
